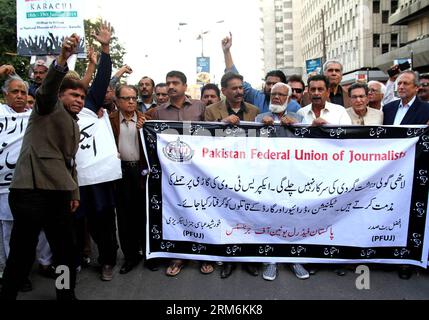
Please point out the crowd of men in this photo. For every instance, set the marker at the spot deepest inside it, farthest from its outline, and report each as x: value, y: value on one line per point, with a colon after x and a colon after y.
x: 44, y: 191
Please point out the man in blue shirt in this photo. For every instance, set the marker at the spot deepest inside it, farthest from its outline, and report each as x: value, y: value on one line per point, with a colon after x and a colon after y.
x: 261, y: 99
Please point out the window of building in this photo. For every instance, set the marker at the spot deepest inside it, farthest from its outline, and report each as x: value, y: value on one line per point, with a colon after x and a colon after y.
x: 385, y: 48
x: 394, y: 6
x: 385, y: 16
x: 287, y: 4
x: 376, y: 40
x: 376, y: 7
x: 394, y: 40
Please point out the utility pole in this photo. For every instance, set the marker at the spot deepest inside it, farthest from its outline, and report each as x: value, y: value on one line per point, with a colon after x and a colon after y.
x: 324, y: 37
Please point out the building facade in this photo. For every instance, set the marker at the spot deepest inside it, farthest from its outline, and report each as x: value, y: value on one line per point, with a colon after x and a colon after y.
x: 415, y: 15
x: 280, y: 35
x: 354, y: 32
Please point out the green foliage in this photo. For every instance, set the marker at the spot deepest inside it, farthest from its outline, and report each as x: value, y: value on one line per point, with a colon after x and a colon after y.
x: 8, y: 39
x: 117, y: 52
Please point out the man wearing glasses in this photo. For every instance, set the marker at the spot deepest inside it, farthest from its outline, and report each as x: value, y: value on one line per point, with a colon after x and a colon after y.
x: 129, y: 200
x: 280, y: 95
x: 376, y: 93
x: 298, y: 88
x: 359, y: 112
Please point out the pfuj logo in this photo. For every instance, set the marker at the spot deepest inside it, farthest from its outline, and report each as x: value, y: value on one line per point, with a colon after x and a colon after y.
x: 178, y: 151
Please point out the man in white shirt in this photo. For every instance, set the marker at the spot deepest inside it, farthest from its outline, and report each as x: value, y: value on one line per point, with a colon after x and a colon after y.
x: 321, y: 112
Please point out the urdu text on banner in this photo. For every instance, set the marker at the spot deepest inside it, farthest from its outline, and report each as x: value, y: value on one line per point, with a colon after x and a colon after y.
x: 298, y: 194
x: 97, y: 157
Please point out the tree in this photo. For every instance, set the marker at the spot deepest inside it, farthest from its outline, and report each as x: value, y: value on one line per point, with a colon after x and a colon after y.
x: 8, y: 39
x: 117, y: 52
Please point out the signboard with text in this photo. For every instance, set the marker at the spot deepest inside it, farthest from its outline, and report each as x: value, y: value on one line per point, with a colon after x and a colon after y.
x: 314, y: 65
x: 296, y: 195
x: 42, y: 25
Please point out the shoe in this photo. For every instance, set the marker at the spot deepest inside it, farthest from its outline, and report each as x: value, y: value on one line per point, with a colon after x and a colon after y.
x: 405, y: 272
x: 107, y: 273
x: 206, y: 268
x: 300, y: 271
x: 152, y: 265
x: 270, y: 271
x: 174, y: 268
x: 227, y: 269
x: 26, y: 286
x: 252, y: 269
x: 340, y: 271
x: 128, y: 266
x: 48, y: 271
x: 312, y: 268
x: 86, y: 261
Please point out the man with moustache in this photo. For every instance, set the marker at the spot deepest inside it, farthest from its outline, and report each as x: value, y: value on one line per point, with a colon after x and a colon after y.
x: 333, y: 70
x: 280, y: 95
x: 423, y: 93
x: 233, y: 109
x: 179, y: 108
x: 161, y: 93
x: 360, y: 113
x: 298, y: 88
x: 321, y: 112
x: 146, y: 99
x: 376, y: 92
x: 44, y: 192
x: 210, y: 94
x: 40, y: 70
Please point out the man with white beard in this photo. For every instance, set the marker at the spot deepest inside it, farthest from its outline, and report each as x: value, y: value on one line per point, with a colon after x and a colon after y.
x: 280, y: 96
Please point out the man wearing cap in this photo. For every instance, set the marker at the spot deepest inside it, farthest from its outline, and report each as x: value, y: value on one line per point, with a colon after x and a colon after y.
x: 40, y: 70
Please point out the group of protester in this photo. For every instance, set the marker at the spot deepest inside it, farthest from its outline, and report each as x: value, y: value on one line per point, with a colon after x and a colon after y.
x: 44, y: 191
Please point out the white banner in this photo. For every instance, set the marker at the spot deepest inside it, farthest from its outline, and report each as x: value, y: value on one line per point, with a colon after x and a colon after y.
x: 288, y: 199
x: 12, y: 130
x: 97, y: 158
x: 284, y: 191
x: 43, y: 24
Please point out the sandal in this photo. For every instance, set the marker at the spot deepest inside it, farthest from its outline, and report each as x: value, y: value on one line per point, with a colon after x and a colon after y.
x: 174, y: 268
x: 206, y: 268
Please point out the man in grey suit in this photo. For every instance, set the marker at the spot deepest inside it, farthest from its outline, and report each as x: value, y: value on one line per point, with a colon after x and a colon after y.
x: 44, y: 192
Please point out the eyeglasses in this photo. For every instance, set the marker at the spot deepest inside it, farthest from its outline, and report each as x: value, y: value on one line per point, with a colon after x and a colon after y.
x: 357, y: 97
x: 374, y: 91
x: 128, y: 98
x: 296, y: 90
x: 162, y: 94
x: 278, y: 94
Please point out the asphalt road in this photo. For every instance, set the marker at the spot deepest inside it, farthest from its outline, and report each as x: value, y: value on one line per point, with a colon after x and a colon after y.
x: 191, y: 285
